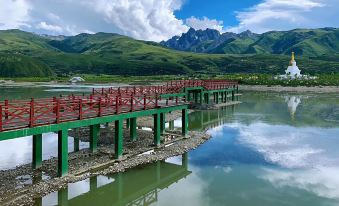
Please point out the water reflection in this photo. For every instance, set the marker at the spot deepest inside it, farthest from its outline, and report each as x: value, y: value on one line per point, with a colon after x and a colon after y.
x: 22, y: 154
x: 122, y: 188
x: 258, y: 156
x: 292, y: 104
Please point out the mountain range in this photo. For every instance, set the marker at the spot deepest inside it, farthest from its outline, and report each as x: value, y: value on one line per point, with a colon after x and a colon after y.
x: 307, y: 42
x: 28, y: 54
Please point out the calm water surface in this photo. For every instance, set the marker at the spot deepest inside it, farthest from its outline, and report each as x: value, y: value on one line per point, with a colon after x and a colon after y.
x: 274, y: 149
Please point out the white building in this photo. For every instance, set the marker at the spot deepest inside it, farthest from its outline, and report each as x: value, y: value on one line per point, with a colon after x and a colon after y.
x: 76, y: 79
x: 293, y: 71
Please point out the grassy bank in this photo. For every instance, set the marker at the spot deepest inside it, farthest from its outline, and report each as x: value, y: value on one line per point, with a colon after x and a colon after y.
x: 267, y: 79
x: 247, y: 79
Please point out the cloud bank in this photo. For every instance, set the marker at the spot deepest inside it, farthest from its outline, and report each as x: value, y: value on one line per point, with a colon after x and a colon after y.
x: 286, y: 14
x: 204, y: 23
x: 155, y: 19
x: 141, y: 19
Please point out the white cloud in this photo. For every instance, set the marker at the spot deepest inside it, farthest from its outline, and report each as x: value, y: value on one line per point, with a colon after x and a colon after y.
x: 290, y: 147
x: 204, y: 23
x: 53, y: 28
x: 14, y: 14
x: 323, y: 181
x: 142, y: 19
x: 286, y: 14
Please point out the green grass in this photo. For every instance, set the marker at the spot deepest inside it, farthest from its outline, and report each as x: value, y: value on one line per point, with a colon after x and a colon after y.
x: 246, y: 79
x: 268, y: 79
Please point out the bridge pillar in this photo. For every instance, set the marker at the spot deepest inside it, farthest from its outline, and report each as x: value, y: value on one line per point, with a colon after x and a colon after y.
x: 93, y: 139
x: 171, y: 125
x: 133, y: 128
x: 63, y: 197
x: 222, y: 97
x: 120, y: 183
x: 76, y: 141
x: 195, y: 97
x: 158, y: 171
x: 93, y: 182
x: 37, y: 151
x: 217, y: 97
x: 118, y: 139
x: 233, y: 95
x: 184, y: 160
x: 184, y: 122
x: 208, y: 98
x: 201, y: 97
x: 156, y: 129
x: 128, y: 123
x: 62, y: 153
x: 162, y: 122
x: 38, y: 201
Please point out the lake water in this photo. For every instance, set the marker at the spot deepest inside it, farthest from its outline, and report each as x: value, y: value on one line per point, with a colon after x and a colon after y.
x: 273, y: 149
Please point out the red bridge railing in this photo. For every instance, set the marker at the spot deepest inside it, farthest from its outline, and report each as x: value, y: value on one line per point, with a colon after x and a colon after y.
x: 18, y: 114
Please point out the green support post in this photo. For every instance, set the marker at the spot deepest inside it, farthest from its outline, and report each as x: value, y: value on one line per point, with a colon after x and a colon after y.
x: 233, y: 95
x: 62, y: 153
x: 201, y: 97
x: 37, y: 151
x: 217, y: 97
x: 118, y: 143
x: 120, y: 181
x: 184, y: 122
x: 184, y: 160
x: 93, y: 139
x: 195, y: 97
x: 128, y: 123
x: 156, y: 129
x: 222, y: 97
x: 76, y: 140
x: 63, y: 197
x: 171, y: 125
x: 93, y: 183
x: 158, y: 171
x: 133, y: 128
x: 162, y: 122
x: 38, y: 201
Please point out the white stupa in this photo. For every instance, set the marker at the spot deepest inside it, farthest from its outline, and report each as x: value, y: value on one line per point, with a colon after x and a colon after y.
x: 293, y: 71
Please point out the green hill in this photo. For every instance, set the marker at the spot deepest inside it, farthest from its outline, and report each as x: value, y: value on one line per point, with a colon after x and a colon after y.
x: 27, y: 54
x: 19, y: 65
x: 305, y: 42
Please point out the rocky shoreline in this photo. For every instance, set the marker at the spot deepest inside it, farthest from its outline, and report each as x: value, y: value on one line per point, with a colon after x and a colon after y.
x: 22, y: 185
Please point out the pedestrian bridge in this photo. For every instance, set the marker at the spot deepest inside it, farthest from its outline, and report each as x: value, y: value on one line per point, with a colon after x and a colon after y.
x: 20, y: 118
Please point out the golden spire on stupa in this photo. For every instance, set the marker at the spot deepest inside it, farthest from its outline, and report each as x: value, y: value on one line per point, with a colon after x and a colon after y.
x: 292, y: 59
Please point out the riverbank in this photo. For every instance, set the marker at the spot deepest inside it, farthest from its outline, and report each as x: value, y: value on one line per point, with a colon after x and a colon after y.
x: 22, y: 185
x: 266, y: 88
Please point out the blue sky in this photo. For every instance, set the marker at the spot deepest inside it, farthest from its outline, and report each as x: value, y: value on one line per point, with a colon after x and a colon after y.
x: 223, y: 10
x: 158, y: 20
